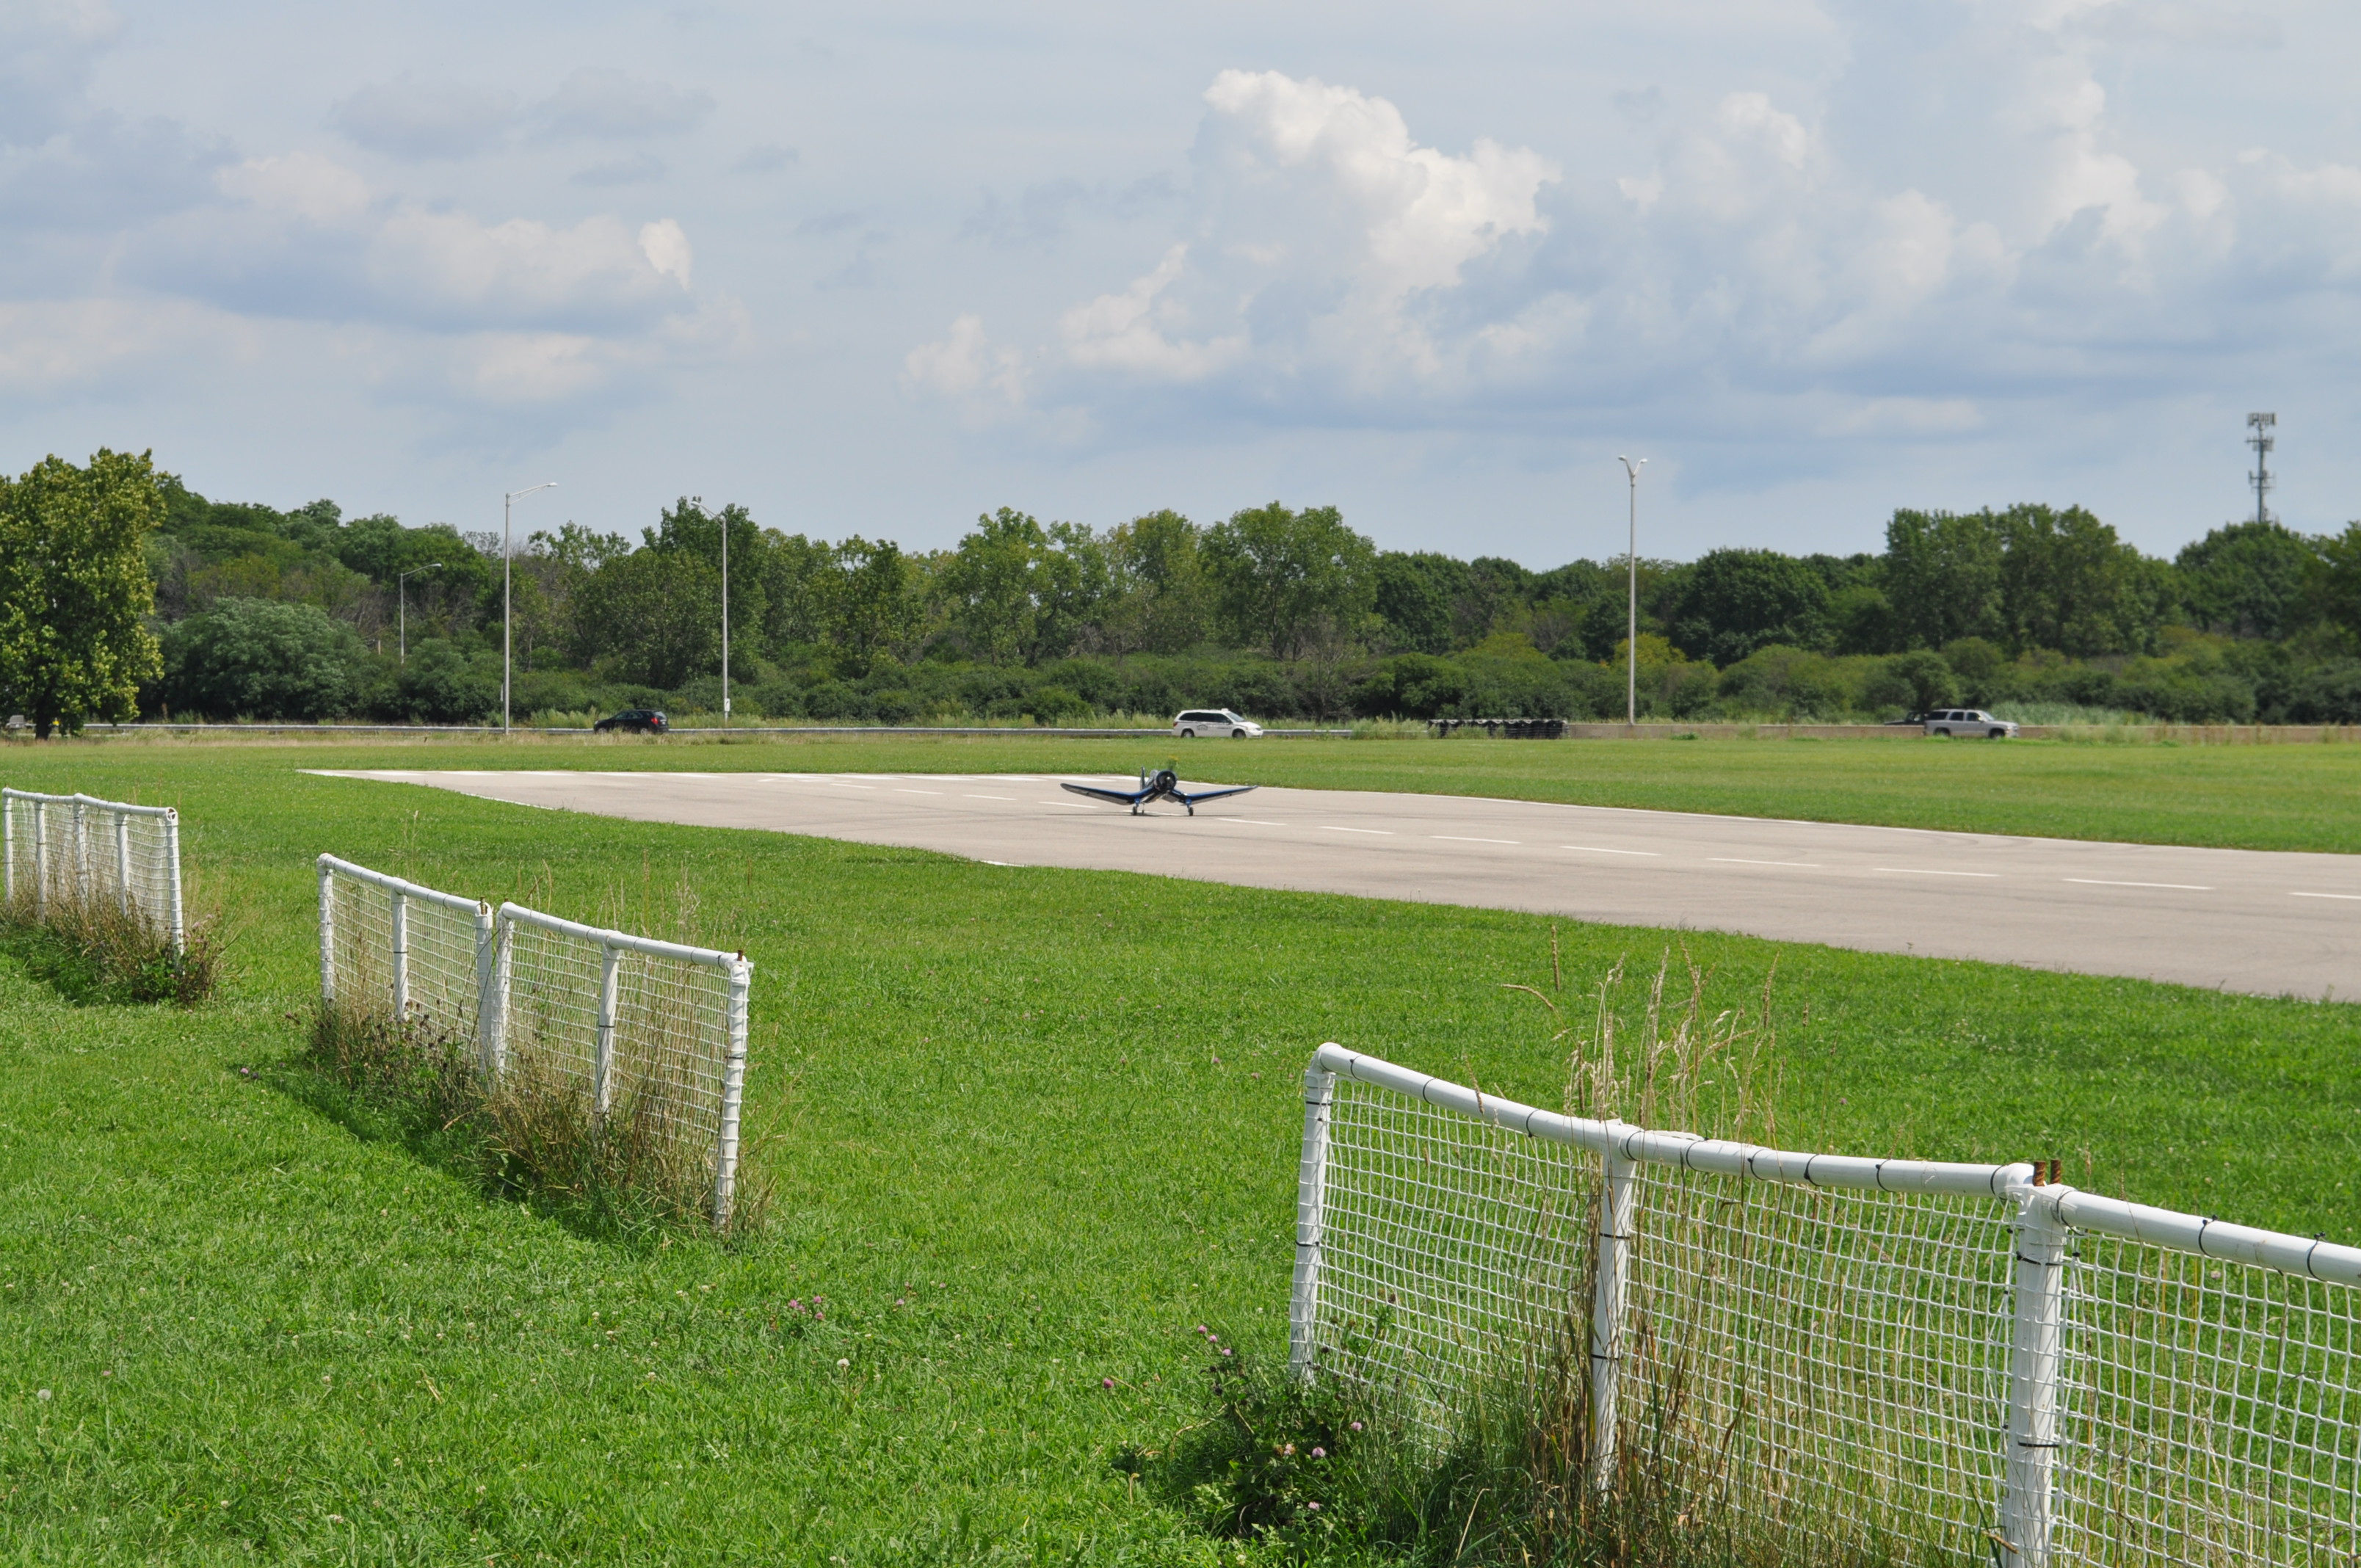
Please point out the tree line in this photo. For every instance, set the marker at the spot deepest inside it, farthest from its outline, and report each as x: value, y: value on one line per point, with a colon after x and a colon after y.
x: 123, y: 591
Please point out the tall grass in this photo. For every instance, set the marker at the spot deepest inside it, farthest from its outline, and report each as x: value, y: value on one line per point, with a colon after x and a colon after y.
x: 92, y: 948
x: 533, y: 1135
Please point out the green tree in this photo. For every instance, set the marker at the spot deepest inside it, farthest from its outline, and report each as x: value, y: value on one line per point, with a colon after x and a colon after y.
x: 1943, y: 575
x: 1415, y: 596
x: 2067, y: 582
x: 263, y: 658
x: 1278, y: 575
x: 74, y: 588
x: 870, y: 609
x: 653, y: 617
x: 797, y: 574
x: 687, y: 527
x: 1020, y: 593
x: 2247, y: 579
x: 1731, y: 602
x: 2335, y: 586
x: 1156, y: 593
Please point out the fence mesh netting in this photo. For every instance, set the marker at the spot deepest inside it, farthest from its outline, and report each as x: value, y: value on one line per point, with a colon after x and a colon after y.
x: 2212, y: 1412
x: 1837, y: 1360
x: 443, y: 980
x: 61, y: 851
x: 671, y: 1049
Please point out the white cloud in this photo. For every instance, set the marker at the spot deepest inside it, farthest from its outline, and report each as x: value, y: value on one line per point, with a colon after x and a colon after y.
x: 301, y: 184
x: 965, y: 364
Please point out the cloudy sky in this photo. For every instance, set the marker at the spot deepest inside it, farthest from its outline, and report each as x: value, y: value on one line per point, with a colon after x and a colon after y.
x: 875, y: 269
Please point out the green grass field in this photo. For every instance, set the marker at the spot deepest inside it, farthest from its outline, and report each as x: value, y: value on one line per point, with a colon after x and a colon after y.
x: 2244, y: 797
x: 1027, y: 1127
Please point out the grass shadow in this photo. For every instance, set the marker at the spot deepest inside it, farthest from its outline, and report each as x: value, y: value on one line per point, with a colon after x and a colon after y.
x: 531, y: 1139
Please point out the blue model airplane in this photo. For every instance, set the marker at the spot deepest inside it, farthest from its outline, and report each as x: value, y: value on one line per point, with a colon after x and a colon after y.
x: 1163, y: 784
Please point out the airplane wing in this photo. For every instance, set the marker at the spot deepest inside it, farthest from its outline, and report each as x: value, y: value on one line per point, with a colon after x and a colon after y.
x: 1199, y: 797
x: 1118, y: 797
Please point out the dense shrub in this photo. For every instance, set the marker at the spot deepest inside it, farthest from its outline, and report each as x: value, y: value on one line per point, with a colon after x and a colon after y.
x: 441, y: 684
x: 263, y: 658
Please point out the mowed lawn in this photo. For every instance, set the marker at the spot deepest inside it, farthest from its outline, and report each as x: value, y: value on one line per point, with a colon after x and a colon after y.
x: 1027, y: 1127
x: 2232, y: 796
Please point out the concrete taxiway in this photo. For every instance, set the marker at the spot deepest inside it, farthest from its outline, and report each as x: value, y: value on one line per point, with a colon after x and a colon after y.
x: 2243, y: 920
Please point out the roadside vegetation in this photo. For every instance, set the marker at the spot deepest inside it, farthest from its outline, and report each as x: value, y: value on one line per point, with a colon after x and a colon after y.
x: 1028, y: 1129
x: 177, y: 604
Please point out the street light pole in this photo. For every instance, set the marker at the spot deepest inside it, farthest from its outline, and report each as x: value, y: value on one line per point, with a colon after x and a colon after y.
x: 508, y: 504
x: 1632, y: 641
x: 402, y: 601
x: 725, y: 618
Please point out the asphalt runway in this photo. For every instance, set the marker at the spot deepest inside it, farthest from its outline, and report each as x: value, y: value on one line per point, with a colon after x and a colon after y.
x: 2238, y: 919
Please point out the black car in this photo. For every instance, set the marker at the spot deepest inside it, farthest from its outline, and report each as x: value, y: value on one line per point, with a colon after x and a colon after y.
x: 638, y: 720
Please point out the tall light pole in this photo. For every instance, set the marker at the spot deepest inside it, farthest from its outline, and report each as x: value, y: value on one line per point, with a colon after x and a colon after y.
x: 725, y: 618
x: 508, y: 504
x: 402, y: 601
x: 1632, y: 644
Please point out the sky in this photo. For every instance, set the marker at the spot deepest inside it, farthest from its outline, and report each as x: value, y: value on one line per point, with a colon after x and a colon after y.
x: 877, y: 269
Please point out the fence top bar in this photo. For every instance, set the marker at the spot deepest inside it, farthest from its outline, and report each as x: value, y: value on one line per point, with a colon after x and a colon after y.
x: 396, y: 884
x: 624, y: 940
x: 1684, y: 1150
x: 2207, y: 1237
x: 123, y: 806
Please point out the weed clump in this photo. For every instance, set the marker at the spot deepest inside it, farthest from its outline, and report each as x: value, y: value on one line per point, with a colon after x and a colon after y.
x: 93, y: 950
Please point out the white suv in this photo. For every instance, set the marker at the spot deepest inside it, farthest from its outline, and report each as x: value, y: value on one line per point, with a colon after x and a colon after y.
x: 1969, y: 721
x: 1214, y: 722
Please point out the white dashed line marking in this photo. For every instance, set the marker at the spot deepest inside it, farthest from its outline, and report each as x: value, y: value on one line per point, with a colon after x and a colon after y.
x: 1922, y: 870
x: 993, y: 798
x: 1075, y: 805
x: 1257, y: 821
x: 918, y: 792
x: 2101, y: 881
x: 1380, y: 832
x: 2324, y: 896
x: 1797, y: 865
x: 1457, y: 839
x: 872, y: 788
x: 1595, y: 850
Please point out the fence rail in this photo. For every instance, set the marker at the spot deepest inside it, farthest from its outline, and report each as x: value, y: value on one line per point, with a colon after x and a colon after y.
x: 61, y: 849
x: 1942, y: 1359
x: 616, y: 1018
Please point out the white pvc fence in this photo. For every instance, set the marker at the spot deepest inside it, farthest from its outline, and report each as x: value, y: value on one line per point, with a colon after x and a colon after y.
x: 603, y: 1014
x: 1951, y: 1361
x: 63, y: 848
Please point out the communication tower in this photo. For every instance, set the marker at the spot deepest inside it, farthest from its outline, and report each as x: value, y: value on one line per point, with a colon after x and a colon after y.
x: 2261, y: 440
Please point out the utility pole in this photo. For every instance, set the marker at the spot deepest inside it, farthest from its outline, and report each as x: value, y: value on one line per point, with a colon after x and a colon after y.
x: 1632, y: 644
x: 2262, y: 441
x: 402, y: 599
x: 508, y: 554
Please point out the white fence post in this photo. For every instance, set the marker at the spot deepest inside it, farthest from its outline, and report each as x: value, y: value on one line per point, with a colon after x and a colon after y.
x: 733, y: 1092
x: 401, y: 929
x: 123, y: 861
x: 327, y: 935
x: 8, y: 847
x: 40, y: 859
x: 81, y: 852
x: 1619, y: 1196
x: 1310, y: 1201
x: 2033, y: 1356
x: 492, y: 994
x: 172, y: 871
x: 603, y: 1068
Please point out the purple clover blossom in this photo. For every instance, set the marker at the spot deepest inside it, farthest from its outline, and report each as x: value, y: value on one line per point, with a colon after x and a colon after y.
x: 1356, y: 1426
x: 1106, y: 1382
x: 1319, y: 1454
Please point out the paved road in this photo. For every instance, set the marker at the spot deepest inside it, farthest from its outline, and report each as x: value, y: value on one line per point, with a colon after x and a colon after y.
x: 2240, y: 919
